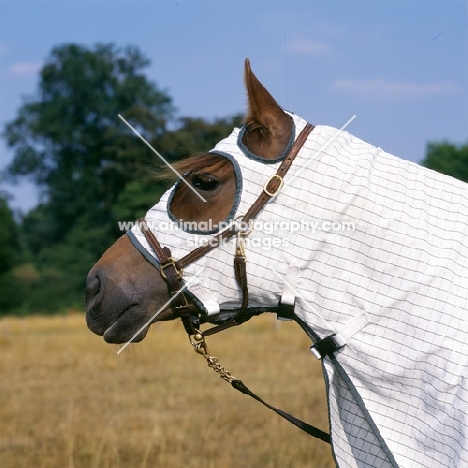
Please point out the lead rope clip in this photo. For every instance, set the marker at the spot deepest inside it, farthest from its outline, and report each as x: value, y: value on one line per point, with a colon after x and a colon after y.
x: 199, y: 344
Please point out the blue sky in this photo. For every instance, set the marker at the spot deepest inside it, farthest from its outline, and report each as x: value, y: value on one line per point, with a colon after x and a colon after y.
x: 400, y: 65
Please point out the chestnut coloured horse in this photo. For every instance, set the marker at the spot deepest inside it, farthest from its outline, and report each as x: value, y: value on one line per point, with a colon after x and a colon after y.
x: 383, y: 302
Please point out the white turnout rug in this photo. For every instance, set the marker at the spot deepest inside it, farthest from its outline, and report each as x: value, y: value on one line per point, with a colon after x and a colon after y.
x: 395, y: 287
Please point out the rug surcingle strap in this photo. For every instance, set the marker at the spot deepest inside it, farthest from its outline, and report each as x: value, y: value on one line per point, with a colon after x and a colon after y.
x: 327, y: 346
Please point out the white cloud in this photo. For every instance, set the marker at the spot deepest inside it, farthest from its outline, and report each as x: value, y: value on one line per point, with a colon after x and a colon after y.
x: 382, y: 89
x: 308, y: 47
x: 24, y: 68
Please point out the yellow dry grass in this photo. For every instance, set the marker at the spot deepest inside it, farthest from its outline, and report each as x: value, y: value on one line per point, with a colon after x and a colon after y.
x: 67, y: 400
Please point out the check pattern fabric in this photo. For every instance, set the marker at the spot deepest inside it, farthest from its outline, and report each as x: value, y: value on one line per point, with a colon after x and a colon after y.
x: 398, y: 390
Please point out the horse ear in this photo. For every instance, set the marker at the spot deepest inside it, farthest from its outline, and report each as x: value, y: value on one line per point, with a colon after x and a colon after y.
x: 268, y: 126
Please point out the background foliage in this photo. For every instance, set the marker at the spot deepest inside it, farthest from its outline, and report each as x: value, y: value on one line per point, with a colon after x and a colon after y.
x: 448, y: 159
x: 93, y: 171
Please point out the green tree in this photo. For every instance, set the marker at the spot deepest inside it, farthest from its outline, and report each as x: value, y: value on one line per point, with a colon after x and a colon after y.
x: 448, y: 159
x: 69, y: 140
x: 9, y: 242
x: 9, y: 255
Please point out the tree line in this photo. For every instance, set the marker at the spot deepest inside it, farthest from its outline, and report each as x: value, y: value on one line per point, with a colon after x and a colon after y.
x: 93, y: 171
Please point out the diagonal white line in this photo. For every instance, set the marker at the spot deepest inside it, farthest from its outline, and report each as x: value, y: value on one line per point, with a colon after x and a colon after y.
x: 160, y: 310
x: 322, y: 148
x: 163, y: 160
x: 303, y: 299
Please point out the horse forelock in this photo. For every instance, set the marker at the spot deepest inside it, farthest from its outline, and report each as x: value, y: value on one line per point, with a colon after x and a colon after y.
x: 204, y: 163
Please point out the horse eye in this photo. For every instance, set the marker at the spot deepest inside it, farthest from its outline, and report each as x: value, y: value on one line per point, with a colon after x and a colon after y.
x: 204, y: 183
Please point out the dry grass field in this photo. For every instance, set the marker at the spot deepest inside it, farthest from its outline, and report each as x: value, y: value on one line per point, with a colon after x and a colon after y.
x: 67, y: 400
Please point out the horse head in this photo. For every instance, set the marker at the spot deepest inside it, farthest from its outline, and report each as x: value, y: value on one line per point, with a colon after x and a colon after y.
x: 124, y: 289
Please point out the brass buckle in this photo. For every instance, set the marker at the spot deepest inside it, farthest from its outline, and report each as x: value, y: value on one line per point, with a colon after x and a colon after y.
x: 240, y: 245
x: 242, y: 231
x: 273, y: 194
x: 170, y: 262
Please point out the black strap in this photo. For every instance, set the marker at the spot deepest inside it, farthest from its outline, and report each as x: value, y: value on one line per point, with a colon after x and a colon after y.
x: 326, y: 346
x: 311, y: 430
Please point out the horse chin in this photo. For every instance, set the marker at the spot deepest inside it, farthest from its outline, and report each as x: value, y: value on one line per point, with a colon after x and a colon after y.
x: 134, y: 322
x: 131, y: 325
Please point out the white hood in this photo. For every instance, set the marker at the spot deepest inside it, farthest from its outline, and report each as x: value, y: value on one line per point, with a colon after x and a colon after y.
x: 268, y: 245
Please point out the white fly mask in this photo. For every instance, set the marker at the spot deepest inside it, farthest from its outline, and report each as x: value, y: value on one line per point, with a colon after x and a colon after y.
x: 373, y: 249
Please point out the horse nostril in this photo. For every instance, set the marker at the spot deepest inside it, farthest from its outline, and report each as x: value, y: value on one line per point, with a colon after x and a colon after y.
x: 93, y: 287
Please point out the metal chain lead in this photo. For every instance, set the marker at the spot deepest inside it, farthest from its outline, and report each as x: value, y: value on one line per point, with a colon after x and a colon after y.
x: 199, y: 345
